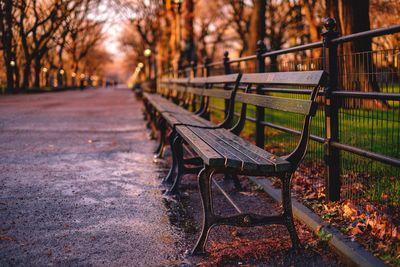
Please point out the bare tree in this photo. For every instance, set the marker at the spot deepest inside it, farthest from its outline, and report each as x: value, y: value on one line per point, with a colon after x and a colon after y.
x: 6, y: 30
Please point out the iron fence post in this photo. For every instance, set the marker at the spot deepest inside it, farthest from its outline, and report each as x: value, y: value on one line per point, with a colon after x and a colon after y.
x: 332, y: 156
x: 193, y: 65
x: 207, y: 67
x: 260, y: 67
x: 227, y: 70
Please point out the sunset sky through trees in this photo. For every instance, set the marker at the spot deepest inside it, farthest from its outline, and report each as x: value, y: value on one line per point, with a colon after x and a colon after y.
x: 175, y: 31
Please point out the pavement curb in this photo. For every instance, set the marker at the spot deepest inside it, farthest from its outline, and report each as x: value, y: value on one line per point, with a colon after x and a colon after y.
x: 351, y: 252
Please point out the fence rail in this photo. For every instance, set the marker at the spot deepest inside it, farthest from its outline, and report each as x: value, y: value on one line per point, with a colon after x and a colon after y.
x: 356, y: 133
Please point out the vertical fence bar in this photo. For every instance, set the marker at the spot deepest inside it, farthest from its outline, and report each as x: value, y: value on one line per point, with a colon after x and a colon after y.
x: 193, y: 68
x: 193, y: 65
x: 260, y: 67
x: 331, y: 157
x: 227, y: 70
x: 207, y: 67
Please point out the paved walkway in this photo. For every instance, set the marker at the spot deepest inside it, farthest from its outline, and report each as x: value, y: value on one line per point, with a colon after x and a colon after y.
x: 77, y: 183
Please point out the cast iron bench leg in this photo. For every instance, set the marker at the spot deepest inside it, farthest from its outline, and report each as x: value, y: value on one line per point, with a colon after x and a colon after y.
x: 287, y: 211
x: 172, y: 171
x: 160, y: 149
x: 204, y: 180
x: 178, y: 151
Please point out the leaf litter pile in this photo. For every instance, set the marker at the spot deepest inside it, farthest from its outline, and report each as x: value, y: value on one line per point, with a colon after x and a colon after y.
x: 374, y: 225
x: 256, y: 246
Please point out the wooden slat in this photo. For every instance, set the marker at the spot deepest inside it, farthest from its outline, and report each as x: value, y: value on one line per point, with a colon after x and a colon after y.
x: 250, y: 162
x: 299, y: 106
x: 197, y: 120
x: 207, y: 153
x: 232, y: 159
x: 180, y: 88
x: 198, y: 80
x: 195, y: 90
x: 186, y: 117
x: 244, y: 149
x: 311, y: 78
x: 170, y: 118
x: 268, y: 161
x: 258, y: 154
x: 226, y: 94
x: 229, y: 78
x: 180, y: 80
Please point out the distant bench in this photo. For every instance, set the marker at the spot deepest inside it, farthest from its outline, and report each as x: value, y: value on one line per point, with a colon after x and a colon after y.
x: 219, y: 148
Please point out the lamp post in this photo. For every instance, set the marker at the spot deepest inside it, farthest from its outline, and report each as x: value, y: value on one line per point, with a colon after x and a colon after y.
x: 61, y: 77
x: 73, y: 75
x: 10, y: 77
x: 45, y: 74
x: 147, y: 54
x: 82, y: 81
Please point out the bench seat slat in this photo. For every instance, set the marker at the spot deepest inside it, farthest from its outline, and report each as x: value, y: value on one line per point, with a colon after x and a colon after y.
x: 299, y: 106
x: 258, y: 154
x: 233, y: 159
x: 266, y: 160
x: 239, y: 151
x: 182, y: 116
x: 207, y: 153
x: 158, y: 102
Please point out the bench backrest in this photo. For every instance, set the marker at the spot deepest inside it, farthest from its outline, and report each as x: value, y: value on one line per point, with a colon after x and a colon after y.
x: 313, y: 80
x: 177, y: 87
x: 220, y: 86
x: 164, y: 86
x: 184, y: 91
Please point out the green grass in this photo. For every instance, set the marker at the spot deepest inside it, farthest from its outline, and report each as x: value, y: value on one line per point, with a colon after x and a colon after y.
x: 372, y: 130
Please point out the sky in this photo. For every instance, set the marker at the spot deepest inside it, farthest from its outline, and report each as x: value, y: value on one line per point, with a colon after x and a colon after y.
x: 115, y: 18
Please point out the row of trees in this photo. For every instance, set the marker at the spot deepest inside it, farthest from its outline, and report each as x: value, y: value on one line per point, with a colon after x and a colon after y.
x: 50, y: 41
x: 190, y: 30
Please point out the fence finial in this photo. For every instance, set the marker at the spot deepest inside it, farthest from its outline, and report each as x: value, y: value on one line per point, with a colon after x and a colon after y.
x: 260, y: 48
x: 330, y: 24
x: 330, y: 31
x: 226, y: 54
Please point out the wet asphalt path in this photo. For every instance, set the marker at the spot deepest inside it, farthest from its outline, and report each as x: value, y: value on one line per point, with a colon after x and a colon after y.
x: 77, y: 183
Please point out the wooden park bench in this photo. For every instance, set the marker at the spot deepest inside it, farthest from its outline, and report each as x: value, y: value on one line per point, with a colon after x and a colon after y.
x: 222, y: 151
x: 169, y: 107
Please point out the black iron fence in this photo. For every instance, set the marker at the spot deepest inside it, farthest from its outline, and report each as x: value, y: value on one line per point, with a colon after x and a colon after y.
x: 355, y: 141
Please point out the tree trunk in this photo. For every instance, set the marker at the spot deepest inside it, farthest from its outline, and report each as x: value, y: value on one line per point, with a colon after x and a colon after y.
x: 26, y: 75
x: 332, y: 11
x: 6, y: 33
x: 356, y: 65
x: 312, y: 25
x: 17, y: 78
x: 189, y: 52
x: 37, y: 68
x: 257, y: 24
